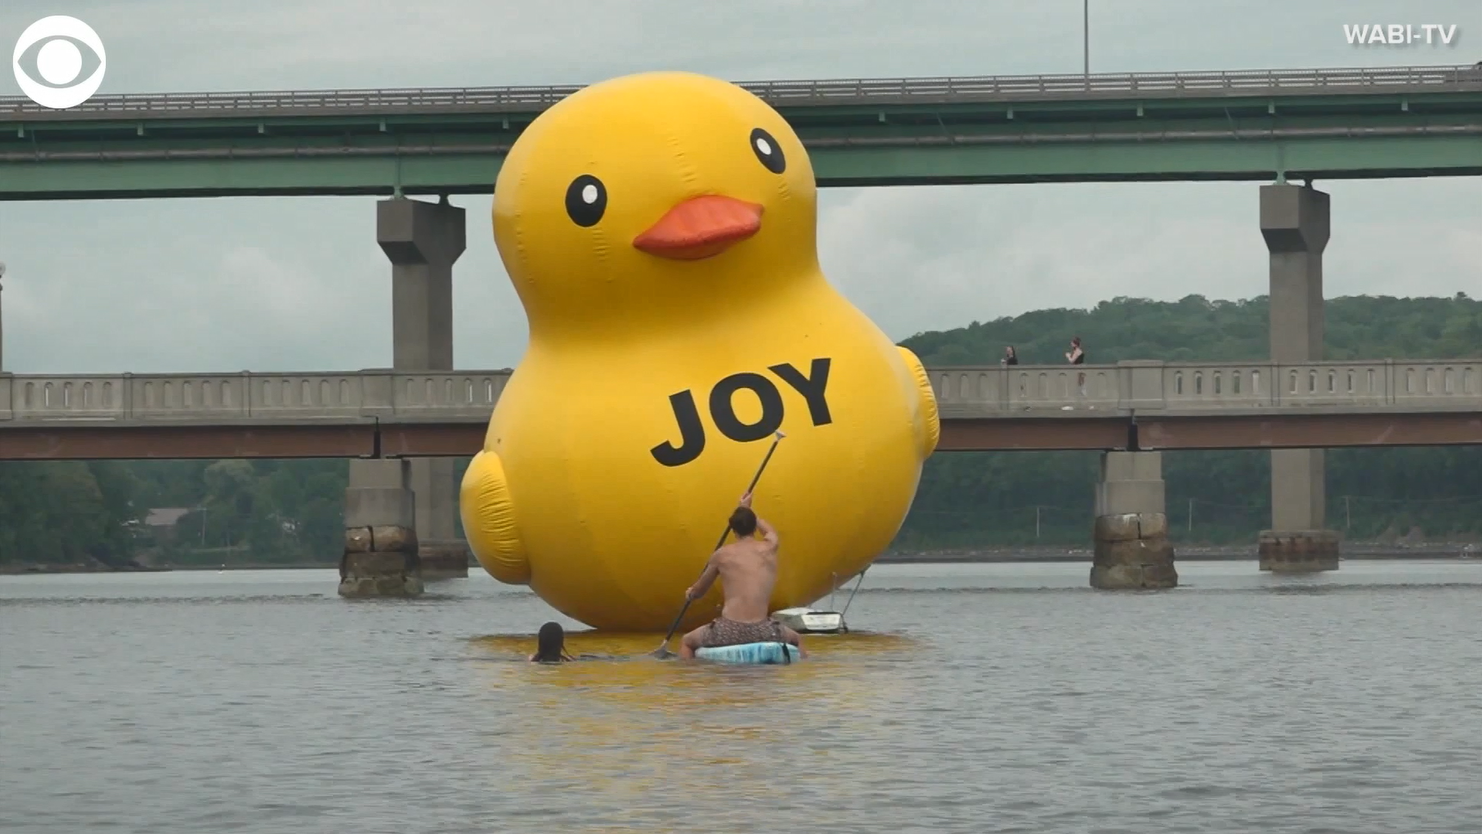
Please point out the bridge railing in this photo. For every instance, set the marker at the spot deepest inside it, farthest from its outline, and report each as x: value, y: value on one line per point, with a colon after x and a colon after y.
x: 791, y: 93
x: 339, y: 396
x: 998, y: 390
x: 962, y: 391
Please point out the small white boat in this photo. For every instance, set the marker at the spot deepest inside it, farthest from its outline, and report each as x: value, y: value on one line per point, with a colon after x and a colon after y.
x: 811, y: 621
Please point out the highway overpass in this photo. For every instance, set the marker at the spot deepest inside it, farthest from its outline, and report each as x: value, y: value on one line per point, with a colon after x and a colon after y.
x: 1267, y: 125
x: 1130, y: 406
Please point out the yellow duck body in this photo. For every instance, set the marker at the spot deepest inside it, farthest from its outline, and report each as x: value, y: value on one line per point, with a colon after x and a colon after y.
x: 660, y: 230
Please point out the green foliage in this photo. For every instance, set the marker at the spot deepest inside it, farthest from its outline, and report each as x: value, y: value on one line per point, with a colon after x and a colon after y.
x: 284, y: 512
x: 69, y: 512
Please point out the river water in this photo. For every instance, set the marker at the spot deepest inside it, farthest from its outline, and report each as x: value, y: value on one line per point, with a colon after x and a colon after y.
x: 972, y: 698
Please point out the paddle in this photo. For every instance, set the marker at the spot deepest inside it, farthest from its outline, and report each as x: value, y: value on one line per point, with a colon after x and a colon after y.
x: 663, y: 650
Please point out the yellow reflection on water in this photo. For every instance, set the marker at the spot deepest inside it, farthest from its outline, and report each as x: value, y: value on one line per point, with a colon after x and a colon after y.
x: 617, y: 646
x: 648, y: 739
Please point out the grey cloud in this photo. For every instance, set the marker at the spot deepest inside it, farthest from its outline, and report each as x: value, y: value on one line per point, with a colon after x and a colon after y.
x: 935, y: 258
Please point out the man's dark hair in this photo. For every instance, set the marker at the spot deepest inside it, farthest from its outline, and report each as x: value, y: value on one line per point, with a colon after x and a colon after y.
x: 743, y: 522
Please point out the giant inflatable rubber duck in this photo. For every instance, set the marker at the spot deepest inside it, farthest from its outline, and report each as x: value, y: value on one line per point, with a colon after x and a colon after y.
x: 660, y: 231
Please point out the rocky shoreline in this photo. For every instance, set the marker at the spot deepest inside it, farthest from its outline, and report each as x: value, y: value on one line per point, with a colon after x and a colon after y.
x: 23, y: 568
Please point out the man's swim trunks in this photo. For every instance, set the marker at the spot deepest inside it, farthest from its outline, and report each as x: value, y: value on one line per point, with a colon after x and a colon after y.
x: 723, y: 632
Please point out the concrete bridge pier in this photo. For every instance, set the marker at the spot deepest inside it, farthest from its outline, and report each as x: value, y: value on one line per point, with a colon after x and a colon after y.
x: 1132, y: 547
x: 1295, y: 223
x: 423, y: 241
x: 380, y: 558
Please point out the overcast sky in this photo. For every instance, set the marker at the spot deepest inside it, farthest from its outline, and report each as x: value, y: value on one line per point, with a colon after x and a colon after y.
x: 299, y: 283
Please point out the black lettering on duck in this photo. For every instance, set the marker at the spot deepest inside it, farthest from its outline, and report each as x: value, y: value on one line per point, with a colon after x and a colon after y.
x: 813, y: 387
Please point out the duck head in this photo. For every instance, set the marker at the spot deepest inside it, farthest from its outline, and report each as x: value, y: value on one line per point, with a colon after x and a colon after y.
x: 654, y: 199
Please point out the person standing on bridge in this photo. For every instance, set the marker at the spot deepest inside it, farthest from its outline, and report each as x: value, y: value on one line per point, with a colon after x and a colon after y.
x: 1076, y: 356
x: 1009, y: 357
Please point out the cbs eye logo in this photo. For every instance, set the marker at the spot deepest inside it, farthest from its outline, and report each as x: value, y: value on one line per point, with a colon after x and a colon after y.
x: 59, y: 62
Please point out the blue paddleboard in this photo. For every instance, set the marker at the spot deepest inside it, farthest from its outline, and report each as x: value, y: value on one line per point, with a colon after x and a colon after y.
x: 764, y: 653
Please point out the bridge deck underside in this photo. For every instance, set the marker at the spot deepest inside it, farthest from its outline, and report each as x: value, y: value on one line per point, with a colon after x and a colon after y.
x: 44, y: 440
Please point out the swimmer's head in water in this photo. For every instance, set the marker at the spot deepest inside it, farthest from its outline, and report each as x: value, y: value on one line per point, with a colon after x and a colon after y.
x: 550, y: 643
x: 743, y: 522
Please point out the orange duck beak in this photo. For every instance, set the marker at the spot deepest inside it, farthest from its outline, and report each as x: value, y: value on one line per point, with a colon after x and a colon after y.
x: 701, y: 227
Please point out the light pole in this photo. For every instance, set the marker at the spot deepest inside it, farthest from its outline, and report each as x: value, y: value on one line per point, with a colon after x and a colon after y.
x: 1086, y: 37
x: 2, y: 325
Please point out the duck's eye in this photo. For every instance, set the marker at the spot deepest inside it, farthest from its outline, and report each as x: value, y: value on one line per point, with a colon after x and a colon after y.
x: 768, y: 151
x: 586, y: 200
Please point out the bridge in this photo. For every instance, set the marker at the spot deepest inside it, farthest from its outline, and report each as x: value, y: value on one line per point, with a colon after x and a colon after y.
x: 1130, y: 406
x: 1265, y: 125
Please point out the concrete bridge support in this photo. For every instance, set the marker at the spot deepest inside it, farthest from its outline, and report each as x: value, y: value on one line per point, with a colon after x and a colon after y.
x: 423, y: 241
x: 1132, y: 547
x: 1295, y: 223
x: 380, y: 558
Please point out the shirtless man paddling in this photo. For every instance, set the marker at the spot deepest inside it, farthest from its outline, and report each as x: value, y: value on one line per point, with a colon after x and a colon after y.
x: 747, y: 569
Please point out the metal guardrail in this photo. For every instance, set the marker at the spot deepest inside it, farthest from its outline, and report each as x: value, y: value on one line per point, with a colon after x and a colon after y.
x: 1106, y: 137
x: 863, y: 91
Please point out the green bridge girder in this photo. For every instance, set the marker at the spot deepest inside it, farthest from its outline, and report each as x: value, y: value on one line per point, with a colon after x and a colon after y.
x: 1267, y: 125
